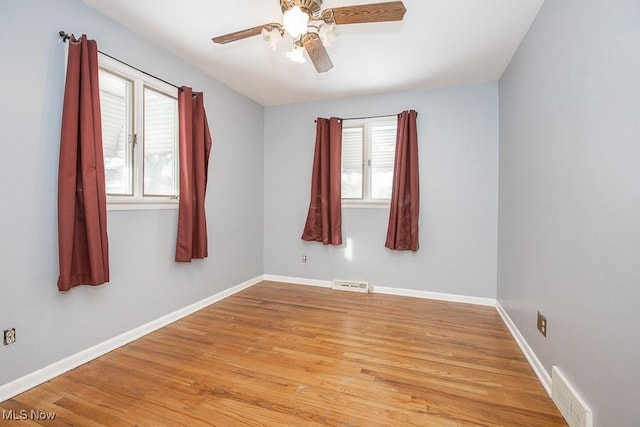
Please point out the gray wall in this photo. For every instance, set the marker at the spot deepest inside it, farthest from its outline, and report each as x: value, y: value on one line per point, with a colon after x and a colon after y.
x: 458, y: 139
x: 569, y: 234
x: 145, y: 282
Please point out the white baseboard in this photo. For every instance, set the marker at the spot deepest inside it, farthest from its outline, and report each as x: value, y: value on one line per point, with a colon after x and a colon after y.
x: 435, y: 295
x: 20, y: 385
x: 390, y: 291
x: 533, y: 360
x: 297, y: 280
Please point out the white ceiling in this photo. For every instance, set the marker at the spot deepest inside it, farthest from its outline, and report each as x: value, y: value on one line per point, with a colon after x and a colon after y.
x: 439, y: 43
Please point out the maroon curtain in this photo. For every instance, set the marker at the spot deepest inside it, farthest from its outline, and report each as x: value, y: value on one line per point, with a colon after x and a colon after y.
x: 324, y: 220
x: 195, y: 146
x: 82, y: 203
x: 402, y: 233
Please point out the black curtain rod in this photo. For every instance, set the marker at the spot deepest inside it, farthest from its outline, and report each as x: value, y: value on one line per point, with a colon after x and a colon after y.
x: 66, y: 37
x: 364, y: 118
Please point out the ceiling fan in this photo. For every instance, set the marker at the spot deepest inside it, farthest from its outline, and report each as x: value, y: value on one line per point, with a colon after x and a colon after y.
x: 313, y: 29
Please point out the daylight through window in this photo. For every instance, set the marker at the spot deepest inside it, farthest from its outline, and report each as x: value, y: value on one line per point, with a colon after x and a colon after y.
x: 368, y: 153
x: 139, y: 135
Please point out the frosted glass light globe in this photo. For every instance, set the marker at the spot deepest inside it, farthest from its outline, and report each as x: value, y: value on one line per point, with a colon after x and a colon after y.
x: 295, y: 22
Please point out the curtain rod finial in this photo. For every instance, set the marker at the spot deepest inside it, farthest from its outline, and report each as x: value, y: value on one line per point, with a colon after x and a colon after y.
x: 64, y: 35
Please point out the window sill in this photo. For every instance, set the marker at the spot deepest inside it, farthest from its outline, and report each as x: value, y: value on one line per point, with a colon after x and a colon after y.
x: 365, y: 204
x: 141, y: 205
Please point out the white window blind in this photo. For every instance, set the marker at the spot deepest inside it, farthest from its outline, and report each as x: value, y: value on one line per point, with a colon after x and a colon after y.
x: 383, y: 150
x: 160, y: 136
x: 352, y: 162
x: 115, y: 106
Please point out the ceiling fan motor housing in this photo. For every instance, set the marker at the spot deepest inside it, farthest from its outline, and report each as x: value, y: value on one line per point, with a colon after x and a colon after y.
x: 312, y: 7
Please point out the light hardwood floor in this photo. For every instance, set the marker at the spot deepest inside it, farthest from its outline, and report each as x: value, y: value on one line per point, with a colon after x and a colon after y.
x: 289, y: 355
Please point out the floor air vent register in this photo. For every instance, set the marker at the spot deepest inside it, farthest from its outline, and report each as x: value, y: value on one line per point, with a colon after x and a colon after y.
x: 351, y: 286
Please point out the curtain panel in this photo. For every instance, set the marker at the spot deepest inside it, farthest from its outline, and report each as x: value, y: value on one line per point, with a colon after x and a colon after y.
x: 402, y: 232
x: 324, y: 218
x: 194, y: 149
x: 82, y: 213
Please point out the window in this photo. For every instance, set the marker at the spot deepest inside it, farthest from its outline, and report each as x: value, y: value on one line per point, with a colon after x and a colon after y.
x: 139, y: 137
x: 368, y: 154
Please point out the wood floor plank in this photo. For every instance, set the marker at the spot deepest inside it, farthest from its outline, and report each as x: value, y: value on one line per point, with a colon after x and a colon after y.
x: 288, y: 355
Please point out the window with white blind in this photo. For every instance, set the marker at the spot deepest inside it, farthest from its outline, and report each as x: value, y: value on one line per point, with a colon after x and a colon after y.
x: 368, y: 153
x: 139, y: 138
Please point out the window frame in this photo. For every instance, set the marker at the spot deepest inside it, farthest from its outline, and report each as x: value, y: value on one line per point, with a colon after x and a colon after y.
x: 140, y: 82
x: 367, y: 124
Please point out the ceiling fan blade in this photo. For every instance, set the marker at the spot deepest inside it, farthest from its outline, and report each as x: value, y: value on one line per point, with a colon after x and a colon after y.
x: 239, y: 35
x: 317, y: 52
x: 374, y: 12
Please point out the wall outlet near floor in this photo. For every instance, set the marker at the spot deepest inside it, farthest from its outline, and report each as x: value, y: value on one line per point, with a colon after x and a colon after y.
x: 542, y: 324
x: 304, y: 258
x: 9, y: 336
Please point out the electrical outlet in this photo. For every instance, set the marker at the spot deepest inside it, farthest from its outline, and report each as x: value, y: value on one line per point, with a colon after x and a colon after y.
x: 542, y: 324
x: 304, y: 258
x: 9, y: 336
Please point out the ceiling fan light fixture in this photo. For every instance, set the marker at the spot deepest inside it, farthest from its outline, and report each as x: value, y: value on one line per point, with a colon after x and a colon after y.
x: 297, y: 54
x: 312, y: 29
x: 295, y: 21
x: 328, y: 34
x: 272, y: 37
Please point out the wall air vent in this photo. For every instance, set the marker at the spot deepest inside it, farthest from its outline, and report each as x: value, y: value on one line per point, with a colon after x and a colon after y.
x: 574, y: 410
x: 351, y: 285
